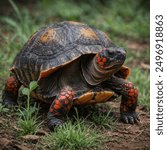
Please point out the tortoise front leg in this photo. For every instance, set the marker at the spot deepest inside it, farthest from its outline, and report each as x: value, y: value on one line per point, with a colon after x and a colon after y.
x: 129, y: 98
x: 60, y: 107
x: 10, y: 93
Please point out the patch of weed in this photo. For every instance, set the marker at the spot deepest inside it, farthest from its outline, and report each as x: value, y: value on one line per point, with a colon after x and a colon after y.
x: 72, y: 136
x: 28, y: 121
x: 3, y: 109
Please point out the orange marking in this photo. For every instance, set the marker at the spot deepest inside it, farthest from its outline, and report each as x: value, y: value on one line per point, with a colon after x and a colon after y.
x: 48, y: 36
x: 75, y: 23
x: 57, y: 106
x: 101, y: 63
x: 57, y: 102
x: 131, y: 92
x: 98, y: 59
x: 12, y: 85
x: 88, y: 33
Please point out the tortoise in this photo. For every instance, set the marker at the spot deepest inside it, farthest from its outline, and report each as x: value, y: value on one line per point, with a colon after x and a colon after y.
x: 74, y: 64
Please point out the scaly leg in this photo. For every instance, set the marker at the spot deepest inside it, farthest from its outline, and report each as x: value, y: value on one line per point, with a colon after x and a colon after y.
x: 10, y: 93
x: 129, y: 98
x: 60, y: 107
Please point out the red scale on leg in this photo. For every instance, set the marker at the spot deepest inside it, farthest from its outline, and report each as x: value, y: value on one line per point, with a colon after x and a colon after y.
x: 56, y: 106
x: 131, y: 92
x: 12, y: 85
x: 130, y: 98
x: 64, y: 102
x: 62, y: 97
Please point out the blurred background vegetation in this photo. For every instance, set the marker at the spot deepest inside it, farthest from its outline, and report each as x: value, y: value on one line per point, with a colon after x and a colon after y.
x: 125, y: 21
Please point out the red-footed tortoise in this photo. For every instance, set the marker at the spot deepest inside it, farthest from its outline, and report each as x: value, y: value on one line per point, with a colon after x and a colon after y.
x: 74, y: 64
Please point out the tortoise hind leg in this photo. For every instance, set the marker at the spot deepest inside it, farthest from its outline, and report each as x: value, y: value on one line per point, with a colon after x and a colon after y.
x: 129, y: 98
x: 10, y: 93
x: 60, y: 107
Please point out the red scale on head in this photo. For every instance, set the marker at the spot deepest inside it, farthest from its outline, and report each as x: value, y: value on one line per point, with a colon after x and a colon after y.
x: 104, y: 59
x: 101, y: 63
x: 98, y: 59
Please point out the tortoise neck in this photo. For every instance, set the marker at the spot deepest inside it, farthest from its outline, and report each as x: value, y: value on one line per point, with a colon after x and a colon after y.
x: 93, y: 73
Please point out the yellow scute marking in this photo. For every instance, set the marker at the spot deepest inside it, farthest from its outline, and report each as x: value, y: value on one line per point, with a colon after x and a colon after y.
x: 88, y: 33
x: 91, y: 97
x: 75, y: 23
x: 48, y: 35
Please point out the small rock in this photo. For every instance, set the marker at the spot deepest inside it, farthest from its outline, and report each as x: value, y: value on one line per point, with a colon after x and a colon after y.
x: 41, y: 132
x: 32, y: 138
x: 4, y: 142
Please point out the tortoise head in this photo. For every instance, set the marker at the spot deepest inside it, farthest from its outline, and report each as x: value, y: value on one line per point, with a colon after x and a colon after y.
x: 111, y: 58
x: 104, y: 64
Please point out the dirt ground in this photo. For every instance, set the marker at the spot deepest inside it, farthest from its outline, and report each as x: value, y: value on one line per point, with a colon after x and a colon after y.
x: 124, y: 136
x: 130, y: 137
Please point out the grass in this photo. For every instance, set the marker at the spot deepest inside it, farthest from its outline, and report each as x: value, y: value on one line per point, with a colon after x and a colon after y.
x: 103, y: 120
x: 101, y: 115
x: 72, y: 136
x: 116, y: 16
x: 28, y: 121
x: 3, y: 109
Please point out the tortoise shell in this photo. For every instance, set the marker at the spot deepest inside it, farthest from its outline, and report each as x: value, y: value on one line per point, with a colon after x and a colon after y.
x: 55, y: 46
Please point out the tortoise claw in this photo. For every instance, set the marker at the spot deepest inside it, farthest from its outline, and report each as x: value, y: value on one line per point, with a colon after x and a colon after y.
x: 54, y: 123
x: 130, y: 117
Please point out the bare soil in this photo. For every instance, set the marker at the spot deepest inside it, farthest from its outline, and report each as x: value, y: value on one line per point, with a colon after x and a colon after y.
x: 124, y: 136
x: 130, y: 137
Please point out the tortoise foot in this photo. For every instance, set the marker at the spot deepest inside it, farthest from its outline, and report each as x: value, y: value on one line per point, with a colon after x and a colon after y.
x: 9, y: 100
x: 54, y: 123
x: 130, y: 117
